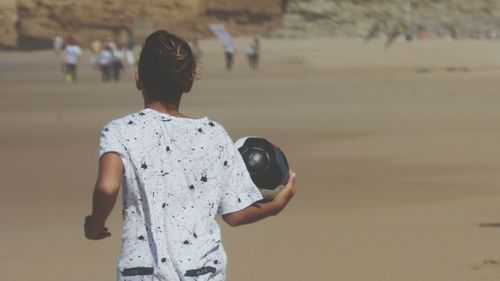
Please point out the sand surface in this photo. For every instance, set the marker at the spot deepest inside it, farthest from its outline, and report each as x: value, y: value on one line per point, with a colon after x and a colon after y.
x: 396, y: 153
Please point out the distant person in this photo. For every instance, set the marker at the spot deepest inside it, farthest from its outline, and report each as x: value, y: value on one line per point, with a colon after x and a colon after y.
x: 176, y: 173
x: 105, y: 61
x: 229, y: 54
x: 377, y: 28
x: 111, y: 43
x: 253, y: 54
x: 58, y: 43
x: 401, y: 29
x: 71, y: 54
x: 95, y: 50
x: 117, y: 64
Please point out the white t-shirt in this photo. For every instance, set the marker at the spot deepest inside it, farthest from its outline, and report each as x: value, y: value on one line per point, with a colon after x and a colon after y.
x: 251, y: 51
x: 179, y: 174
x: 105, y: 57
x: 229, y: 48
x: 58, y: 42
x: 117, y: 55
x: 71, y: 54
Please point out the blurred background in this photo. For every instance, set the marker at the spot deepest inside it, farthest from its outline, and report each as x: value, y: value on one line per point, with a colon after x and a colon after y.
x: 32, y: 24
x: 387, y: 110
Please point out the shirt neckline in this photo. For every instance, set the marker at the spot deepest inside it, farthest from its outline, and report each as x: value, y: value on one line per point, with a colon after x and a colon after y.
x: 163, y: 114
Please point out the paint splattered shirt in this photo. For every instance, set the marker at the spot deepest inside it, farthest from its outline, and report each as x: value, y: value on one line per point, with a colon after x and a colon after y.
x: 179, y: 173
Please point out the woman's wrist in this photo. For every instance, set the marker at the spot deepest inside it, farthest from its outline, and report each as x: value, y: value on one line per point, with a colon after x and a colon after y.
x: 277, y: 205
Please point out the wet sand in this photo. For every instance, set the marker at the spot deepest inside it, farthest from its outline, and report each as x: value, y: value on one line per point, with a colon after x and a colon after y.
x: 395, y: 151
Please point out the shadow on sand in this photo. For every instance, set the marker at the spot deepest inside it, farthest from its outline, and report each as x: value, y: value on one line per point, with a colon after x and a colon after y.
x: 490, y: 224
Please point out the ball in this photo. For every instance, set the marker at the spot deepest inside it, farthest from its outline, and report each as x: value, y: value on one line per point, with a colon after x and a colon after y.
x: 266, y: 164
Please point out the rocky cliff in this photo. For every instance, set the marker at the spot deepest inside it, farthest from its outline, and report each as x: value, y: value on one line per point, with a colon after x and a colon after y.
x: 33, y: 23
x: 310, y: 18
x: 8, y: 20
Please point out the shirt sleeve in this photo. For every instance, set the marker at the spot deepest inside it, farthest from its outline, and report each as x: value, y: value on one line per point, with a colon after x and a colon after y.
x: 111, y: 141
x: 238, y: 190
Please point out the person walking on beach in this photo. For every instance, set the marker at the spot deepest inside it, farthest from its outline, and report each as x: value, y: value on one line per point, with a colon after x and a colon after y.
x: 177, y: 173
x: 95, y: 50
x: 253, y: 54
x: 58, y: 44
x: 229, y: 54
x: 72, y: 52
x: 105, y: 61
x: 117, y: 63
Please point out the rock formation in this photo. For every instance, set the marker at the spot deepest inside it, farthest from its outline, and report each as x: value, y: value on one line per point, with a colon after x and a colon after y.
x: 312, y: 18
x: 33, y: 23
x: 8, y: 19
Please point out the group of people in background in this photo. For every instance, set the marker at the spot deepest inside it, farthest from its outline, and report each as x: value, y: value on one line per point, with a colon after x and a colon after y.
x: 105, y: 56
x: 110, y: 58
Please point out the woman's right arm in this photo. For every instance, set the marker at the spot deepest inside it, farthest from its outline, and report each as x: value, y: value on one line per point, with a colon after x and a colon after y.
x: 259, y: 211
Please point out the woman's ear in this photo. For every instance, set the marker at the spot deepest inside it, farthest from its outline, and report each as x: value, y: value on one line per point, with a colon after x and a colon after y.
x: 138, y: 83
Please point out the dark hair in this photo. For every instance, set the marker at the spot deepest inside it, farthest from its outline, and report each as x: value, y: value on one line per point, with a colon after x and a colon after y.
x: 167, y: 67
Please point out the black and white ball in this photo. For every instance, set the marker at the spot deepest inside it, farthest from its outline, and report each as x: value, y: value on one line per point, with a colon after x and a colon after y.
x: 266, y: 164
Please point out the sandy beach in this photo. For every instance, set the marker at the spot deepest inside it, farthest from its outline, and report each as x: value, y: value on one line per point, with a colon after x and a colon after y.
x: 396, y: 152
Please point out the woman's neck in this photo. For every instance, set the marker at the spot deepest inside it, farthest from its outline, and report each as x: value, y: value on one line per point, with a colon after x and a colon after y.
x: 170, y: 109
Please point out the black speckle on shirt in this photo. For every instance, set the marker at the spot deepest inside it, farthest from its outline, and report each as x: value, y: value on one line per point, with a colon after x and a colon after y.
x: 163, y: 260
x: 168, y: 149
x: 225, y: 163
x: 200, y: 130
x: 204, y: 179
x: 142, y: 113
x: 163, y: 205
x: 144, y: 166
x: 211, y: 123
x: 106, y: 129
x: 130, y: 122
x: 141, y: 237
x: 186, y: 242
x: 239, y: 200
x: 191, y: 187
